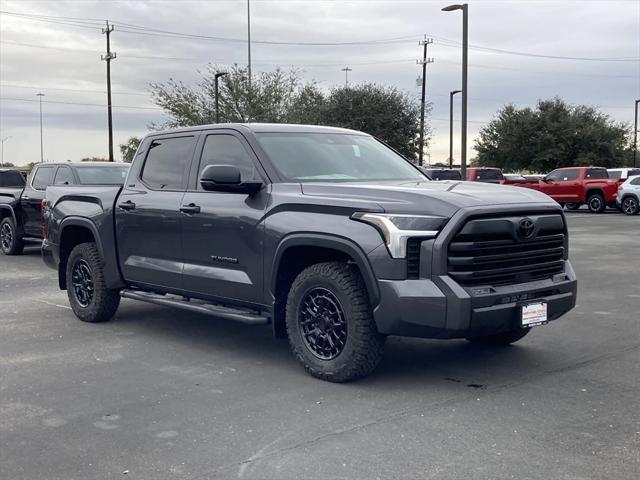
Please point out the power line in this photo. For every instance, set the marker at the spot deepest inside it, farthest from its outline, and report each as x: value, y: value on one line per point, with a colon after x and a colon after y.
x: 34, y: 87
x: 102, y: 105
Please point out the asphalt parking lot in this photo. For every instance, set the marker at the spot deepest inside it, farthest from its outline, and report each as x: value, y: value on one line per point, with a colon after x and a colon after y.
x: 161, y: 394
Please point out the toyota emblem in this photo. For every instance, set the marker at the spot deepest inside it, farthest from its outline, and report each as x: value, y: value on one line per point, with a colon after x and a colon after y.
x: 527, y: 228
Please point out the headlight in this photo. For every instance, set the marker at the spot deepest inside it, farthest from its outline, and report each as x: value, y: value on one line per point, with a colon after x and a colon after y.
x: 396, y: 229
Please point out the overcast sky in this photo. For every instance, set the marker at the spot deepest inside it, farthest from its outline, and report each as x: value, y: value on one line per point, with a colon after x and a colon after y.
x: 61, y: 59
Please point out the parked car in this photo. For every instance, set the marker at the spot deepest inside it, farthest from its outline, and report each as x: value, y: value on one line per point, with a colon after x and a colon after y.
x: 629, y: 196
x: 513, y: 179
x: 20, y: 205
x: 485, y: 174
x: 574, y: 186
x: 11, y: 178
x: 442, y: 173
x: 325, y: 233
x: 622, y: 174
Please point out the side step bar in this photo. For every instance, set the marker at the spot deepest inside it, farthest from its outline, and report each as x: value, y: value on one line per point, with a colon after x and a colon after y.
x: 243, y: 316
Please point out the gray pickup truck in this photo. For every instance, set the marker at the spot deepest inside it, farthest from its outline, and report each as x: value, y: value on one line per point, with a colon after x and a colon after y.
x: 326, y: 234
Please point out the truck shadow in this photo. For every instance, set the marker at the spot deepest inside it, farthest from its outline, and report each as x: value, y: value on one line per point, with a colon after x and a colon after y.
x: 406, y: 361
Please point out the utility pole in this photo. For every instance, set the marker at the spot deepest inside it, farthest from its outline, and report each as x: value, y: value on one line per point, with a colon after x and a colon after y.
x: 635, y: 135
x: 108, y: 57
x: 425, y: 43
x: 40, y: 95
x: 451, y: 94
x: 2, y: 140
x: 249, y: 41
x: 346, y: 71
x: 216, y: 77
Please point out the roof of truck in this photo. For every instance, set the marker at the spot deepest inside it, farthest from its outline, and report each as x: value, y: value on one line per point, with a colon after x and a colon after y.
x: 263, y: 128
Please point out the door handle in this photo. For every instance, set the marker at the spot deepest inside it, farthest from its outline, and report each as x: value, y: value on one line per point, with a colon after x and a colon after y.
x: 25, y: 197
x: 128, y: 205
x: 190, y: 209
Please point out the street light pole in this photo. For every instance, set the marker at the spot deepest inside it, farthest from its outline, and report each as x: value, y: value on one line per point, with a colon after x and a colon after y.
x: 41, y: 143
x: 249, y: 42
x: 465, y: 60
x: 451, y: 94
x: 635, y: 135
x: 2, y: 140
x: 425, y: 43
x: 216, y: 77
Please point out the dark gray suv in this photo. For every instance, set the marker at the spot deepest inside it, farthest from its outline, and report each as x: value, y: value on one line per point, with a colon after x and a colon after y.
x: 325, y: 233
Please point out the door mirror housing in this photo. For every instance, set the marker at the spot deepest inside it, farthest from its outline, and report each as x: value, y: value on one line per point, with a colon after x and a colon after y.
x: 226, y: 178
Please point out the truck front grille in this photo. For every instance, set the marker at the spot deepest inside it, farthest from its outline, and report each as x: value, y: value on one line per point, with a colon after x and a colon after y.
x: 493, y: 251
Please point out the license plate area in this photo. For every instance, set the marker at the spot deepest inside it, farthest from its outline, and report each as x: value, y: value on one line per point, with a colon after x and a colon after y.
x: 533, y: 314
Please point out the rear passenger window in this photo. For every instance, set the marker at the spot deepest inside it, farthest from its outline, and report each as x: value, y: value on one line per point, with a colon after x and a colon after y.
x: 43, y: 177
x: 223, y: 149
x: 167, y: 163
x: 635, y: 181
x: 597, y: 173
x: 64, y: 176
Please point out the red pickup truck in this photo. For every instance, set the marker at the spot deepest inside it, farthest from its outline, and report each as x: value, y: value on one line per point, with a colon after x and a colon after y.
x: 574, y: 186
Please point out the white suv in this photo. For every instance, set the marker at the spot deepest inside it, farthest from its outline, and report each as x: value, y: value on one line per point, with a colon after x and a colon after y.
x: 622, y: 174
x: 628, y: 199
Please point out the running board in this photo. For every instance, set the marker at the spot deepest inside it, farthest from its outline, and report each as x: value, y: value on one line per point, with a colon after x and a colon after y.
x: 243, y: 316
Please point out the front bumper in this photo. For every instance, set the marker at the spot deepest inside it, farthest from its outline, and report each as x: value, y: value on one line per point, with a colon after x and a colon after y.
x: 440, y: 308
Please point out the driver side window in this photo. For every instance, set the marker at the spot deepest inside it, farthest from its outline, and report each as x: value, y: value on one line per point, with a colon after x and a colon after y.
x: 225, y: 149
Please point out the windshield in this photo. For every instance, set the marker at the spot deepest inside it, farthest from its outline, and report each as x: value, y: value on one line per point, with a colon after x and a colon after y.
x: 446, y: 175
x: 330, y: 157
x: 107, y: 175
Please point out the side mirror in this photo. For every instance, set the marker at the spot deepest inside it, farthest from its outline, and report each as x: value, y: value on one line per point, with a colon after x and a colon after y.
x: 544, y: 179
x: 226, y: 178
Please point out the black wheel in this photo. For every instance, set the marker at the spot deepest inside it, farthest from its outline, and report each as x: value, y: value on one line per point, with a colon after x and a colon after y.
x: 630, y: 205
x: 10, y: 243
x: 572, y: 206
x: 500, y: 338
x: 596, y: 204
x: 89, y: 298
x: 330, y: 324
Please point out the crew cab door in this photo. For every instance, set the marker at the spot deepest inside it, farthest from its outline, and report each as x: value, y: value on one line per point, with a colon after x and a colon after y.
x: 32, y: 198
x: 222, y: 232
x: 147, y: 213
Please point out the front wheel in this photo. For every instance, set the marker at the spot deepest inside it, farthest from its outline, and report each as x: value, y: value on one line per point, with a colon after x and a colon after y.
x: 500, y: 338
x: 89, y: 298
x: 572, y: 206
x: 630, y: 206
x: 596, y: 203
x: 330, y: 324
x: 10, y: 243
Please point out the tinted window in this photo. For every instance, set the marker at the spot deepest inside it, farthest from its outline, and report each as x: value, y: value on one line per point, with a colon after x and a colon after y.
x: 113, y: 175
x: 226, y: 150
x: 597, y: 173
x: 11, y: 179
x: 323, y: 157
x: 444, y: 175
x: 43, y: 177
x: 633, y: 173
x: 635, y: 181
x: 564, y: 175
x: 167, y: 163
x: 615, y: 174
x: 64, y: 175
x: 489, y: 175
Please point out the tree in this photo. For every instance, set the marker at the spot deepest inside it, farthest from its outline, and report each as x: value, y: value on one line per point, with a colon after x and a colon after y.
x: 94, y: 159
x: 384, y: 112
x: 552, y: 135
x: 7, y: 164
x: 277, y: 97
x: 128, y: 149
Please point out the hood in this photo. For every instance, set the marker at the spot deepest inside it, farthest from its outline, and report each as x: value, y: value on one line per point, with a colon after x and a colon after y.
x: 442, y: 198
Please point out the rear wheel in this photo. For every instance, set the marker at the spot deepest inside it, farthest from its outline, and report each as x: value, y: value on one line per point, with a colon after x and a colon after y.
x: 330, y: 324
x: 501, y: 338
x: 89, y: 298
x: 10, y: 243
x: 630, y: 206
x: 596, y: 203
x: 572, y: 206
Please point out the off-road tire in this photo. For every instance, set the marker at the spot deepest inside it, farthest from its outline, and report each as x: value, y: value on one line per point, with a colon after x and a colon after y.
x: 104, y: 301
x: 572, y: 206
x: 500, y: 338
x: 596, y: 203
x: 363, y: 346
x: 630, y: 205
x: 15, y: 244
